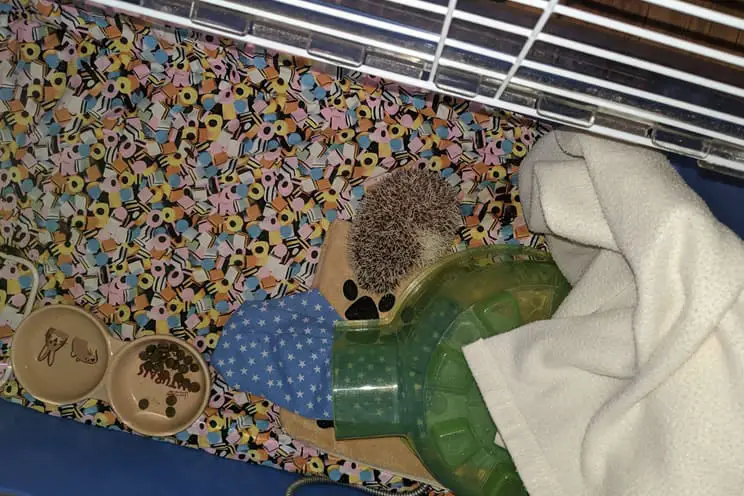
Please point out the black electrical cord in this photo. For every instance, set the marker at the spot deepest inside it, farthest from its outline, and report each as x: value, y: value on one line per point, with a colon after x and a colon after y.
x: 292, y: 489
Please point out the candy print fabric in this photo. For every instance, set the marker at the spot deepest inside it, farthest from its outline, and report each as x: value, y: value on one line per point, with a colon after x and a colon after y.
x: 16, y: 287
x: 281, y: 349
x: 162, y: 178
x: 16, y: 293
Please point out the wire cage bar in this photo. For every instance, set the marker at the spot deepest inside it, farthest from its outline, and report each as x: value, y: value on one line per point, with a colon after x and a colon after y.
x: 668, y: 74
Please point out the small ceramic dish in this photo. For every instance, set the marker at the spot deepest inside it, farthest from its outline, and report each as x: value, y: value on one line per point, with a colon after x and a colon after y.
x: 157, y: 385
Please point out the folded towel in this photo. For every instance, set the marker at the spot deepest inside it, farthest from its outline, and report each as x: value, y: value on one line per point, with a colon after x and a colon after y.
x: 636, y: 386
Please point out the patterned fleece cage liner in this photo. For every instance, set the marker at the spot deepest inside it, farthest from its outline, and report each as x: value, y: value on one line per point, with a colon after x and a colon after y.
x: 661, y: 73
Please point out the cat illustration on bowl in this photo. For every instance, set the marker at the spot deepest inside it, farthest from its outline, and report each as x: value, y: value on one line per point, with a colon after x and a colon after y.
x: 53, y: 341
x: 81, y: 352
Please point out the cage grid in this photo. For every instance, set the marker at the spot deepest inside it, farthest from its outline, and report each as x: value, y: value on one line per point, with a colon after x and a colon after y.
x: 662, y: 73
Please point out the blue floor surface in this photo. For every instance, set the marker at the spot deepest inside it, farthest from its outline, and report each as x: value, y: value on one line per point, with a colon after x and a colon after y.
x: 42, y: 455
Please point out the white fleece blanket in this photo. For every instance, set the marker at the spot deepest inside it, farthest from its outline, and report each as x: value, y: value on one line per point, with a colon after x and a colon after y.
x: 636, y: 386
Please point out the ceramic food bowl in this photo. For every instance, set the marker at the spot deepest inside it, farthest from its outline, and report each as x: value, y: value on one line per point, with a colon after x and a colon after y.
x: 157, y: 385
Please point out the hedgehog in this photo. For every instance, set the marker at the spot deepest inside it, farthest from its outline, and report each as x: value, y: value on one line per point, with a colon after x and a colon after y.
x: 406, y: 221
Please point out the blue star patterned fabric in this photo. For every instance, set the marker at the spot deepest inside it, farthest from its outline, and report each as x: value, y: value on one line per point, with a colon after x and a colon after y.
x: 281, y: 349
